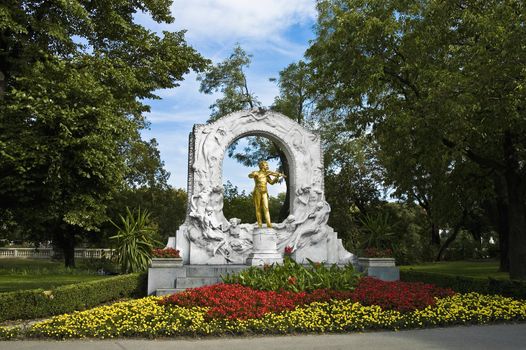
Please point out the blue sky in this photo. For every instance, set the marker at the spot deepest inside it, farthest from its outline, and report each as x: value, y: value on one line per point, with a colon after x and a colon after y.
x: 275, y: 32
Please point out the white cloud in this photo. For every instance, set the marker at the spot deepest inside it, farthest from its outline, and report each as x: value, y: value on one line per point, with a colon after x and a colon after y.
x: 274, y: 31
x: 213, y: 26
x: 221, y: 20
x: 181, y: 117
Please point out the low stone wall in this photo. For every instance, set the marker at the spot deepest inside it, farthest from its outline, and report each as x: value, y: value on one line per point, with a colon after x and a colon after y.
x: 48, y: 253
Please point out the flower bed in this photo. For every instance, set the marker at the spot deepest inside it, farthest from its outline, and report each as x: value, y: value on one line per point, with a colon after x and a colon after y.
x: 149, y: 318
x: 233, y: 301
x: 235, y: 309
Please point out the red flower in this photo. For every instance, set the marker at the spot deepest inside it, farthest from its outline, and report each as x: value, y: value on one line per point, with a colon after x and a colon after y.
x: 377, y: 253
x: 234, y: 301
x: 288, y: 250
x: 166, y: 253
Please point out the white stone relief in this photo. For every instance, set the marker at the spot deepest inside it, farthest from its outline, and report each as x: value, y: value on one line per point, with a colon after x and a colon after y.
x: 209, y: 236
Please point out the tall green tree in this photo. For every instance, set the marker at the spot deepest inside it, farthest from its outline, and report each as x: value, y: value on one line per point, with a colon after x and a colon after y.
x: 229, y: 78
x: 76, y: 74
x: 451, y: 73
x: 295, y: 98
x: 144, y: 166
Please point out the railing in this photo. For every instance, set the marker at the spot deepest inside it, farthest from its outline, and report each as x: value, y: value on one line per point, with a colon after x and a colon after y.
x: 47, y: 253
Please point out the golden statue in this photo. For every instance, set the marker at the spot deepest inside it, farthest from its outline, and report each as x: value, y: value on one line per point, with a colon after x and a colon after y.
x: 260, y: 194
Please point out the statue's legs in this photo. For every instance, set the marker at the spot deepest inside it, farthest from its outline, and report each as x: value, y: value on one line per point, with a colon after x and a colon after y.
x: 257, y: 205
x: 261, y: 204
x: 264, y: 202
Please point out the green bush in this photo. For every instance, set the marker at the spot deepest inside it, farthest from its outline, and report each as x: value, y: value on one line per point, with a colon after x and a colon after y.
x: 295, y: 277
x: 508, y: 288
x: 134, y: 240
x: 28, y: 304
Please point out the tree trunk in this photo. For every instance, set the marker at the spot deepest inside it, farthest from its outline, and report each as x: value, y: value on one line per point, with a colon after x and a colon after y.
x: 285, y: 208
x: 435, y: 234
x: 517, y: 231
x: 515, y: 187
x: 69, y: 253
x: 448, y: 241
x: 65, y: 240
x: 503, y: 230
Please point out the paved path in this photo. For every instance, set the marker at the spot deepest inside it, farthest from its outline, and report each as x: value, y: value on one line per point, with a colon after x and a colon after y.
x: 500, y: 337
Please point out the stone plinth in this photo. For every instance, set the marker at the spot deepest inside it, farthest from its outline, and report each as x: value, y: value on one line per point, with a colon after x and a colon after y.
x: 376, y: 262
x: 381, y: 268
x: 166, y: 262
x: 265, y: 248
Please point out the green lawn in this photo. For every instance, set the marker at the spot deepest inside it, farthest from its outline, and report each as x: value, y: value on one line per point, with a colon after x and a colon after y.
x: 20, y: 274
x: 476, y: 269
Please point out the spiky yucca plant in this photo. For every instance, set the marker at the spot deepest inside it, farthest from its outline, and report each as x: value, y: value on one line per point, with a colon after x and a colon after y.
x: 134, y: 240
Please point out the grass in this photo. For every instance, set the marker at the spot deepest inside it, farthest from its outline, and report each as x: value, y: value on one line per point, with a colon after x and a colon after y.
x: 476, y: 269
x: 22, y: 274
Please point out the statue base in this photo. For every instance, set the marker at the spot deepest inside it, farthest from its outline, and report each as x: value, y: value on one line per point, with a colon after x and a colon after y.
x: 265, y: 248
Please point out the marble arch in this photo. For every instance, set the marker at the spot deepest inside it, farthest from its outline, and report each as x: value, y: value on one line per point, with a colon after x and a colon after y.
x: 207, y: 237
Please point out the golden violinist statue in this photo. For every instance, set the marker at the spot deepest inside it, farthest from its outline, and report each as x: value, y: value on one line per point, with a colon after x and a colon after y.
x: 260, y: 194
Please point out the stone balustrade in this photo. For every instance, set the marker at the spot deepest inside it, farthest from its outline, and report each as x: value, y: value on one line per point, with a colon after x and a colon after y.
x: 47, y: 253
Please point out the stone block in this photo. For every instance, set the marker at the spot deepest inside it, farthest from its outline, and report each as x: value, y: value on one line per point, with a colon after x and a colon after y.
x: 163, y: 277
x: 194, y: 282
x: 384, y: 273
x: 316, y: 253
x: 265, y: 248
x: 212, y: 270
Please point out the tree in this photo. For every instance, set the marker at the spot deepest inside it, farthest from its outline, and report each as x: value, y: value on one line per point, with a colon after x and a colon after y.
x: 295, y: 98
x: 76, y: 74
x: 352, y: 178
x: 145, y: 167
x: 230, y: 79
x: 450, y: 73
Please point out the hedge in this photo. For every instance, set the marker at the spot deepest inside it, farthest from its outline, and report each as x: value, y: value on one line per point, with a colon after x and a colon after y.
x: 508, y: 288
x: 35, y: 303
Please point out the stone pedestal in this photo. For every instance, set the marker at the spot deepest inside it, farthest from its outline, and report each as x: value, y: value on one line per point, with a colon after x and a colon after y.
x: 376, y: 262
x: 166, y: 262
x: 265, y: 248
x: 381, y: 268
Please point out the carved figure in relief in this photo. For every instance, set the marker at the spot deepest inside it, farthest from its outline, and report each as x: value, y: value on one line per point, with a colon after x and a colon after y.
x: 210, y: 143
x: 237, y: 241
x: 260, y: 194
x: 313, y: 229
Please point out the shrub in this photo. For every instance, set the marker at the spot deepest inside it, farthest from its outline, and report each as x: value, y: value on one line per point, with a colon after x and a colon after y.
x: 28, y: 304
x: 7, y: 333
x: 134, y: 241
x: 514, y: 289
x: 166, y: 253
x: 372, y: 252
x: 294, y: 277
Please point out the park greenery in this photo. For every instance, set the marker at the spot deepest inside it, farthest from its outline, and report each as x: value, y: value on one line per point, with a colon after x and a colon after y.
x: 438, y: 89
x: 295, y: 277
x: 236, y: 309
x: 134, y: 240
x: 420, y: 105
x: 22, y: 274
x: 422, y: 102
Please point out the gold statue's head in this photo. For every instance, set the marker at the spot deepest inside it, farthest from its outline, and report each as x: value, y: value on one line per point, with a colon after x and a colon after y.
x: 263, y: 165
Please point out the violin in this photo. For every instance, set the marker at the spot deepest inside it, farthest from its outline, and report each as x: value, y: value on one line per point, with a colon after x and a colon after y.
x: 276, y: 174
